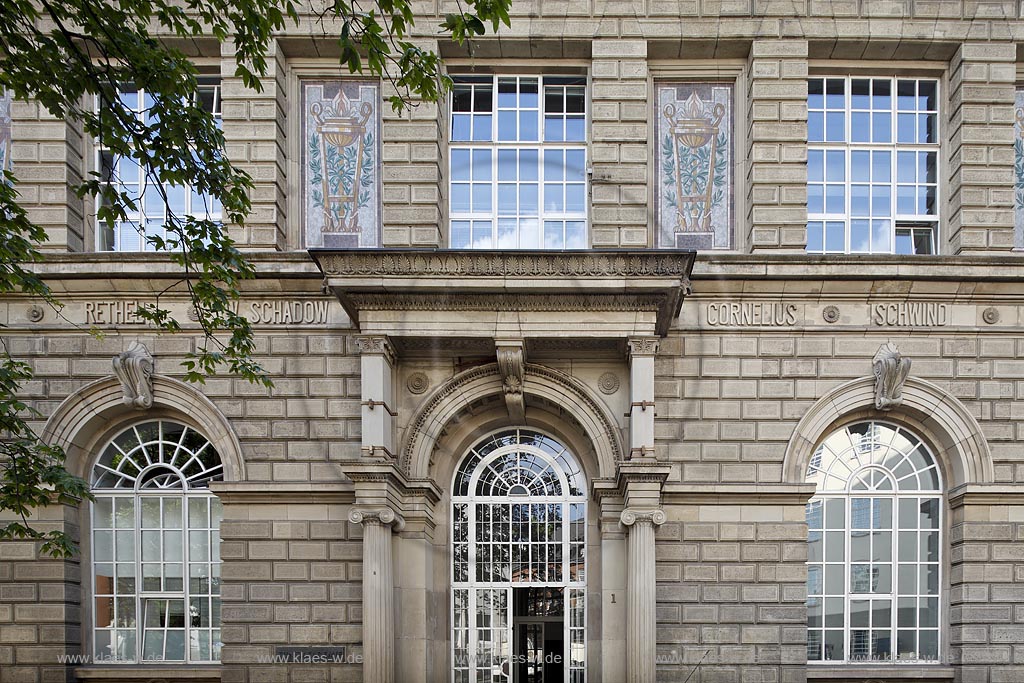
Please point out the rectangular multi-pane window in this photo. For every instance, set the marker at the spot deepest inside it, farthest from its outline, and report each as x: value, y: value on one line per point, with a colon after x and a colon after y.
x: 518, y: 163
x: 872, y: 165
x: 154, y: 201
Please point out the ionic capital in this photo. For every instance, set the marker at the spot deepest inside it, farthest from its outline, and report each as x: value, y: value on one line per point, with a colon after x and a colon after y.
x: 383, y: 516
x: 629, y: 517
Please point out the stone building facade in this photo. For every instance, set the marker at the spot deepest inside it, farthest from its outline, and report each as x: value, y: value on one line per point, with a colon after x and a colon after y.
x: 747, y: 386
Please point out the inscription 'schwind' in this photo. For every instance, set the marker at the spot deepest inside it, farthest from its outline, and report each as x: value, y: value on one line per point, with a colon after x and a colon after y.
x: 910, y: 314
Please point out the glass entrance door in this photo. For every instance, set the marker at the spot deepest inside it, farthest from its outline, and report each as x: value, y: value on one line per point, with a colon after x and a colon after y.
x: 539, y: 640
x: 518, y: 563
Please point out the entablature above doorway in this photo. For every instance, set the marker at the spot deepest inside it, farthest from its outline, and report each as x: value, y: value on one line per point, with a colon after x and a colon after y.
x: 503, y: 294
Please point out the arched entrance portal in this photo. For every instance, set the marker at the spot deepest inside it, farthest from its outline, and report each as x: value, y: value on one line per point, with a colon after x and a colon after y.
x: 519, y: 565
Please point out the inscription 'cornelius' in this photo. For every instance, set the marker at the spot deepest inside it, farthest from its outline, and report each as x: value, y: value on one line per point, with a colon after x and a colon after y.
x: 738, y: 314
x: 919, y: 314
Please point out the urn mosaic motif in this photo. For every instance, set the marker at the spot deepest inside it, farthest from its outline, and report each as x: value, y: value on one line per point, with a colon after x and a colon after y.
x: 694, y: 137
x: 341, y: 176
x: 1018, y: 169
x: 5, y: 131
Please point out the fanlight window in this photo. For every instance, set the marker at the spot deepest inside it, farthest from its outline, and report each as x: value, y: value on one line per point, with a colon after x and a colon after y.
x: 157, y: 455
x: 874, y: 540
x: 521, y: 472
x: 156, y: 547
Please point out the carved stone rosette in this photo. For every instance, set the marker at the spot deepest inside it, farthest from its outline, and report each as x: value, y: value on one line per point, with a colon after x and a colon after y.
x: 134, y: 369
x: 891, y: 370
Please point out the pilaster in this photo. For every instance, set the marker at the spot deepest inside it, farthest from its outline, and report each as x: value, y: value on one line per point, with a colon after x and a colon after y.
x: 47, y: 156
x: 256, y: 142
x: 376, y: 363
x: 777, y: 145
x: 979, y: 193
x: 620, y: 110
x: 413, y: 181
x: 641, y: 395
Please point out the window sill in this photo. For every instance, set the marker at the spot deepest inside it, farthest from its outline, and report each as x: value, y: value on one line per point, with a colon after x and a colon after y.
x: 138, y: 672
x: 866, y: 672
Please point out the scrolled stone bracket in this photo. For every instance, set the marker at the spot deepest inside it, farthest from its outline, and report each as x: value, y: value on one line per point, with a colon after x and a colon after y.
x: 891, y: 371
x: 383, y: 516
x: 134, y: 369
x: 629, y: 517
x: 512, y: 366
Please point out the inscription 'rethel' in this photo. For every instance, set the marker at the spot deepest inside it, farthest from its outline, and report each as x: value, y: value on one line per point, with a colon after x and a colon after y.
x: 910, y: 314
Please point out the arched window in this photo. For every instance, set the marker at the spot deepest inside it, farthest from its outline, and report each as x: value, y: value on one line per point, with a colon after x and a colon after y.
x: 874, y: 540
x: 156, y: 546
x: 518, y: 569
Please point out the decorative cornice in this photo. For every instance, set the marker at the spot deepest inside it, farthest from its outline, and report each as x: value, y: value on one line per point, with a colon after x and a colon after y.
x: 631, y: 516
x: 891, y: 370
x: 134, y: 369
x: 460, y: 301
x: 522, y: 264
x: 652, y: 281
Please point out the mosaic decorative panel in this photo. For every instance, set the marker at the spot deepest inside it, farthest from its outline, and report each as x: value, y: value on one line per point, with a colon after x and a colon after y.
x: 694, y: 136
x: 5, y: 130
x: 1018, y: 167
x: 341, y: 164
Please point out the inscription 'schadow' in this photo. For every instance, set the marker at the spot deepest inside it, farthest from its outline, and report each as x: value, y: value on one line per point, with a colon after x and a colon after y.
x: 739, y: 314
x: 273, y: 312
x: 917, y: 314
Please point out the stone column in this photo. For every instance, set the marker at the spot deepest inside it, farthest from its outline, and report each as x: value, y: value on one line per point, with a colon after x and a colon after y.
x: 378, y: 593
x: 641, y: 396
x: 377, y: 364
x: 641, y: 597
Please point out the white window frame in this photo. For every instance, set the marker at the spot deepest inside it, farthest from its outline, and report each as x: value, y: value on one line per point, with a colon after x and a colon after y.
x: 210, y: 210
x: 898, y: 222
x: 495, y: 145
x: 136, y: 494
x: 894, y: 594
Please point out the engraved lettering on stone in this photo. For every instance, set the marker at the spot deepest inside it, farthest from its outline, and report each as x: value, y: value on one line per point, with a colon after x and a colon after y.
x: 751, y: 314
x: 288, y: 312
x: 134, y: 369
x: 910, y: 314
x: 891, y: 370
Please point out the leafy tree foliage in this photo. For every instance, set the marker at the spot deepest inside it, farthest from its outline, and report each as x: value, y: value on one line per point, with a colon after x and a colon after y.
x: 71, y: 56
